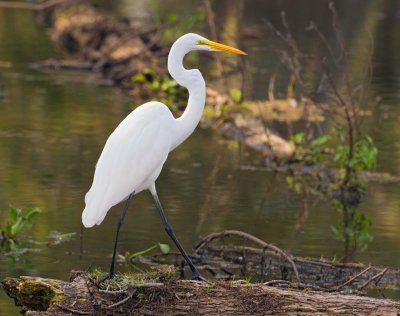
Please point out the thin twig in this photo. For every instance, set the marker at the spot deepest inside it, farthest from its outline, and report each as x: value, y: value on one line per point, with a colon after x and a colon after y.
x: 353, y: 278
x: 337, y: 29
x: 75, y: 311
x: 112, y: 292
x: 133, y: 291
x: 264, y: 123
x: 353, y: 125
x: 313, y: 27
x: 380, y: 274
x: 148, y: 284
x: 276, y: 31
x: 273, y: 282
x: 297, y: 285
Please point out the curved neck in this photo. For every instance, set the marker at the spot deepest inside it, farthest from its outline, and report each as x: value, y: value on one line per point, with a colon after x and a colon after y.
x: 194, y: 82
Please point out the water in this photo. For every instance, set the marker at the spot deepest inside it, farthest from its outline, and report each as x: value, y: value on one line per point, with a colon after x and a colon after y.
x: 53, y: 127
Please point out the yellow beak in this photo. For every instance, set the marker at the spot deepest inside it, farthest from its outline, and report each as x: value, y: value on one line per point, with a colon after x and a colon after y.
x: 222, y: 47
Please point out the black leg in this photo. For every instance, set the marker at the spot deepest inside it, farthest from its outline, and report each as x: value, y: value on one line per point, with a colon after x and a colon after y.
x: 119, y: 224
x: 170, y: 232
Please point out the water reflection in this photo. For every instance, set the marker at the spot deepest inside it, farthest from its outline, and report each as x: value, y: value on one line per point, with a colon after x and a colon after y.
x: 53, y: 127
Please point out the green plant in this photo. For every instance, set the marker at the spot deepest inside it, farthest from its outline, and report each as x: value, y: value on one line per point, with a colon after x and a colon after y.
x: 248, y: 280
x: 236, y: 95
x: 97, y: 272
x: 333, y: 165
x: 128, y: 257
x: 164, y: 248
x: 17, y: 223
x: 167, y: 89
x: 357, y: 232
x: 352, y: 160
x: 311, y: 152
x: 362, y: 158
x: 342, y: 183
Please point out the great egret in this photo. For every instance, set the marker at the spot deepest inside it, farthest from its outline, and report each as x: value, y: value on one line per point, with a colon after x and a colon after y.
x: 135, y: 152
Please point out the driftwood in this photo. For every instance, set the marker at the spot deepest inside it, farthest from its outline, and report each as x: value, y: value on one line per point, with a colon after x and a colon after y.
x: 82, y: 296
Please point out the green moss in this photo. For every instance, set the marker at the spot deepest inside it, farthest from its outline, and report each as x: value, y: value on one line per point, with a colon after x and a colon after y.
x: 97, y: 272
x: 38, y: 295
x: 162, y: 274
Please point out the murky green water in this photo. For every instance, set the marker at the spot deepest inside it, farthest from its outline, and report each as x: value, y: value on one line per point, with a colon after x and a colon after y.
x: 53, y: 127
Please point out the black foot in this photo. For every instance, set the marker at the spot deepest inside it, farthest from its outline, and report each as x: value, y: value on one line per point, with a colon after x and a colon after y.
x: 198, y: 277
x: 108, y: 276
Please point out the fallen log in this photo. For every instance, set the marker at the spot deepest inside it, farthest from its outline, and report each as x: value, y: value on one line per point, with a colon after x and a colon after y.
x: 166, y: 296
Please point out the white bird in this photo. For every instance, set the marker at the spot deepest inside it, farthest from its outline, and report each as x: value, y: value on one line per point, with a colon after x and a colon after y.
x: 136, y: 151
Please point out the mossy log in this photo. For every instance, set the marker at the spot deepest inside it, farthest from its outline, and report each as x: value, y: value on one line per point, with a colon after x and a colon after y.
x: 82, y: 296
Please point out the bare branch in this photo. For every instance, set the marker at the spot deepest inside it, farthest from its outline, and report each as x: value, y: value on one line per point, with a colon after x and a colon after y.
x: 313, y: 27
x: 130, y: 294
x: 376, y: 276
x: 227, y: 233
x: 353, y: 278
x: 74, y: 311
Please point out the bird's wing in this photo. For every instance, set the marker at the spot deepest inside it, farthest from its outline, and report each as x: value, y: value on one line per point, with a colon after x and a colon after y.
x: 131, y: 159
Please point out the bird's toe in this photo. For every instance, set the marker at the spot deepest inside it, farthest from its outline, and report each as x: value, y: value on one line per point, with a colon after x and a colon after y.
x: 107, y: 276
x: 199, y: 277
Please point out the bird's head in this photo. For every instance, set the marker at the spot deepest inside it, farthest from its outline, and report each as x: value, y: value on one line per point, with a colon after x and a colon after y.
x: 193, y: 41
x: 185, y: 44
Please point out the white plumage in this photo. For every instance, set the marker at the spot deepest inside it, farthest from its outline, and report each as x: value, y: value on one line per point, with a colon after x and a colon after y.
x: 131, y: 160
x: 135, y: 152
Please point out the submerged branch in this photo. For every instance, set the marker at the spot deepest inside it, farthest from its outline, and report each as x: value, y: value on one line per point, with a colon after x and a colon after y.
x: 227, y: 233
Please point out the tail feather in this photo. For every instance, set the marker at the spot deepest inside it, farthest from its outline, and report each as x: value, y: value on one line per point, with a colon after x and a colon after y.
x: 94, y: 211
x: 89, y: 219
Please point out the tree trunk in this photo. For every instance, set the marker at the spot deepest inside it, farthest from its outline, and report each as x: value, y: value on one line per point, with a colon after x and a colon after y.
x: 82, y: 296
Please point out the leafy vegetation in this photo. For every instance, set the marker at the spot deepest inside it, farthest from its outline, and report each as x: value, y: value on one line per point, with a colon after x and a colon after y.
x: 340, y: 156
x: 17, y: 223
x: 167, y: 89
x: 343, y: 184
x: 164, y: 248
x: 130, y: 257
x: 175, y: 96
x: 15, y: 241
